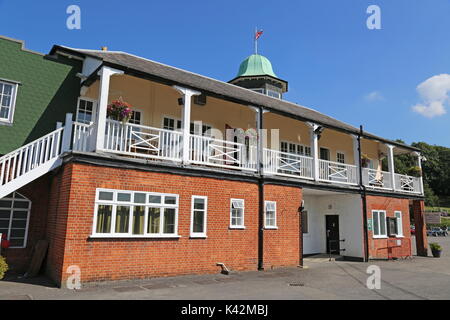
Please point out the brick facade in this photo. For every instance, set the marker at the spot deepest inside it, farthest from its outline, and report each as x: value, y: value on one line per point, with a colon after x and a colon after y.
x: 390, y: 247
x: 71, y: 216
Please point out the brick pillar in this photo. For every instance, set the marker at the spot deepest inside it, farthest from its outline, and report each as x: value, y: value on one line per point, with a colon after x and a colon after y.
x: 421, y: 228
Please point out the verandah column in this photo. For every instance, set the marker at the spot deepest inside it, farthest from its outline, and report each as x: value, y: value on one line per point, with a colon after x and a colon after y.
x: 186, y: 119
x: 105, y: 74
x: 419, y: 164
x: 314, y: 136
x: 356, y: 156
x: 391, y: 165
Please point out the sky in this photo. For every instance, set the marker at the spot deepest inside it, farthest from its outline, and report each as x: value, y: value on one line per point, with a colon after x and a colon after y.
x: 395, y: 81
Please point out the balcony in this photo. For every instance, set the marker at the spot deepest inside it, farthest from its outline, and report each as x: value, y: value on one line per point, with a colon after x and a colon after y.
x: 138, y: 141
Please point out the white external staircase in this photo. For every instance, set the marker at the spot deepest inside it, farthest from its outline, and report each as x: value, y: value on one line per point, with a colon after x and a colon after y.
x: 35, y: 159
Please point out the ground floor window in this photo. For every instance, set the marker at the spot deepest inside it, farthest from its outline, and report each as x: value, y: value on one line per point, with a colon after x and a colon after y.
x: 237, y: 213
x: 198, y: 216
x: 270, y: 215
x: 135, y: 214
x: 379, y: 224
x: 14, y: 219
x: 399, y: 231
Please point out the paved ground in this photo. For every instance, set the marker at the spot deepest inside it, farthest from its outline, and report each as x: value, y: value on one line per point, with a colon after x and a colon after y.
x: 416, y: 278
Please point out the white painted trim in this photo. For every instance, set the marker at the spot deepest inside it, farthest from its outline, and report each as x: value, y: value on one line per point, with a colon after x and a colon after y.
x: 12, y: 107
x: 12, y: 211
x: 114, y: 203
x: 205, y: 218
x: 265, y: 215
x: 243, y: 214
x: 381, y: 236
x: 399, y: 224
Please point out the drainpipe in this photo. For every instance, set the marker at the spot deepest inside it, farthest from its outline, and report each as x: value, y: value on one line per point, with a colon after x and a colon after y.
x: 260, y: 167
x: 364, y: 197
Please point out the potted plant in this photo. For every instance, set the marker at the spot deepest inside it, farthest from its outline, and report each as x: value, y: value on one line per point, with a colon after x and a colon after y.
x: 415, y: 171
x: 436, y: 249
x: 120, y: 111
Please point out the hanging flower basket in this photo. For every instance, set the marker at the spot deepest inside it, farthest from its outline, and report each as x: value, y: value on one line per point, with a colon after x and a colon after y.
x: 120, y: 111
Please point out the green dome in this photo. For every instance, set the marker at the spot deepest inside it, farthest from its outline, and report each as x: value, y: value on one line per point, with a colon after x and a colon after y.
x: 256, y: 65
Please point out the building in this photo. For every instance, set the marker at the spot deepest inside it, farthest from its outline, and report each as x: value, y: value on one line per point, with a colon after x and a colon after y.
x: 204, y: 173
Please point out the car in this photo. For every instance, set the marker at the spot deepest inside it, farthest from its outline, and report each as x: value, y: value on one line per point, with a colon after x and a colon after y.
x: 437, y: 232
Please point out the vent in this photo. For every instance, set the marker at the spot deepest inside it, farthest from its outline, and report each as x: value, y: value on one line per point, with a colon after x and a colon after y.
x: 200, y: 100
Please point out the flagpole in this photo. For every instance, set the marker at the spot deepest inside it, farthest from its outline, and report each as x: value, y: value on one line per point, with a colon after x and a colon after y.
x: 256, y: 40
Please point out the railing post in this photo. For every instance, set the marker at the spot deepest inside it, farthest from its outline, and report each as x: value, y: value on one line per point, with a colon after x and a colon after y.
x: 391, y: 165
x: 314, y: 135
x: 419, y: 164
x: 67, y: 134
x: 186, y: 120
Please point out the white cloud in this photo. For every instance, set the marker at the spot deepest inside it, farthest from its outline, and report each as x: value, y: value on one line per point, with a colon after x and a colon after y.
x: 435, y: 96
x: 374, y: 96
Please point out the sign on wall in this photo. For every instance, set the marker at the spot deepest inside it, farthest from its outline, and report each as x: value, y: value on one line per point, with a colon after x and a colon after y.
x: 369, y: 225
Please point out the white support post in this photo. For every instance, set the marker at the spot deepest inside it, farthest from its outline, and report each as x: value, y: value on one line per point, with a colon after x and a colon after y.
x: 356, y: 155
x: 187, y: 95
x: 67, y: 133
x: 105, y: 75
x: 314, y: 149
x: 390, y: 158
x: 419, y: 164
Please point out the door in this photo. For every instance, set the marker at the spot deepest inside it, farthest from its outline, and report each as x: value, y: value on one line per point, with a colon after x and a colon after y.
x: 332, y: 233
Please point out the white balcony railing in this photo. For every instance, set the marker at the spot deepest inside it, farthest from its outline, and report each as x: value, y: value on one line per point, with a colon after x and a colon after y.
x: 221, y: 153
x: 377, y: 179
x: 338, y: 172
x: 148, y: 142
x: 142, y: 141
x: 407, y: 183
x: 288, y: 164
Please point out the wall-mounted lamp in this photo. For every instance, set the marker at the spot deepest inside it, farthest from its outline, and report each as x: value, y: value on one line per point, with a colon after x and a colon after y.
x: 319, y: 132
x: 181, y: 102
x: 301, y: 209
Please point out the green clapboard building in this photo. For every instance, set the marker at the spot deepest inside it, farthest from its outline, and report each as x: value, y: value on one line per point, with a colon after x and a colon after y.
x: 36, y: 91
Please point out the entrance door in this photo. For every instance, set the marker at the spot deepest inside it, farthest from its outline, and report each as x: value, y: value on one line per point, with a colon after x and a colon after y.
x: 332, y: 230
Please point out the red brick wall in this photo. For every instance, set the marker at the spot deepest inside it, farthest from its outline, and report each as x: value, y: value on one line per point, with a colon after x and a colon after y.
x: 384, y: 248
x: 282, y: 247
x: 113, y: 259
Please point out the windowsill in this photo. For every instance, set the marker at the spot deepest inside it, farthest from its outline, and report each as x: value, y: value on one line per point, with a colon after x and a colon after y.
x: 6, y: 123
x: 193, y: 236
x: 112, y: 237
x: 237, y: 228
x: 380, y: 237
x: 271, y: 228
x: 399, y: 237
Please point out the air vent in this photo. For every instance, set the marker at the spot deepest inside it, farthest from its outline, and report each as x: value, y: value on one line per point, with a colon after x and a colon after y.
x: 200, y: 100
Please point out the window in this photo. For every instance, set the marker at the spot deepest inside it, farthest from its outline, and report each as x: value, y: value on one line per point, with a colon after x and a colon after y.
x: 14, y: 218
x: 270, y: 220
x: 196, y: 127
x: 398, y: 216
x: 274, y: 94
x: 325, y: 154
x: 305, y: 228
x: 237, y: 214
x: 7, y: 101
x: 379, y: 224
x: 136, y: 117
x: 135, y: 214
x: 295, y: 148
x: 340, y: 157
x: 85, y: 111
x: 198, y: 216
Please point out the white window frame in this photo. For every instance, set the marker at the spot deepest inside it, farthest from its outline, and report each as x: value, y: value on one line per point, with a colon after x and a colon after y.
x: 13, y: 199
x: 243, y: 214
x: 195, y: 123
x: 94, y: 108
x: 399, y: 216
x: 275, y: 226
x: 142, y: 117
x: 205, y: 218
x: 12, y: 106
x: 379, y: 236
x: 340, y: 153
x: 114, y: 203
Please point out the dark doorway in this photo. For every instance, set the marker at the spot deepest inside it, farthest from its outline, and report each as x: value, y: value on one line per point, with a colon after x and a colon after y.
x: 332, y: 230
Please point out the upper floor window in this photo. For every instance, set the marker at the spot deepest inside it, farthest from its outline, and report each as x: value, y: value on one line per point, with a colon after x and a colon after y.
x: 196, y: 127
x: 8, y: 93
x: 340, y: 157
x: 136, y: 117
x: 294, y: 148
x: 135, y: 214
x: 85, y: 110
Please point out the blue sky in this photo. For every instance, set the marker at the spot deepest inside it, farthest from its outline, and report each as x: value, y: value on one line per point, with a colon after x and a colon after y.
x: 332, y: 61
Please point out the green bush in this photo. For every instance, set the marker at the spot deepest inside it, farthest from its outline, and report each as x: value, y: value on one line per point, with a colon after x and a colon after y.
x: 3, y: 267
x: 435, y: 247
